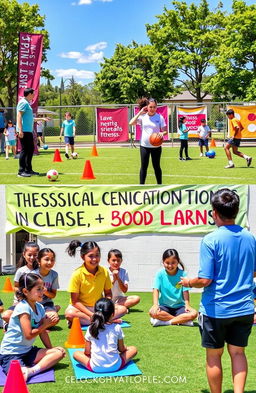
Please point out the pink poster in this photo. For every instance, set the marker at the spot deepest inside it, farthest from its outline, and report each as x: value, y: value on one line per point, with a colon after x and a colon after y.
x: 112, y: 125
x: 162, y: 110
x: 29, y: 65
x: 193, y: 118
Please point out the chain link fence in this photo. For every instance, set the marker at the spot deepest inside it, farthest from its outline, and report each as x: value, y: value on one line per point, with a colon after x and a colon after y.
x: 85, y: 118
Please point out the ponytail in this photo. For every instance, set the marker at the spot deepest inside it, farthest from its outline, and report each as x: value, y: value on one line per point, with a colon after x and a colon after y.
x: 104, y: 309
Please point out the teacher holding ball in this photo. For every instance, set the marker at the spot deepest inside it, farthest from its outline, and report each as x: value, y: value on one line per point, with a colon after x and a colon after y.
x: 151, y: 122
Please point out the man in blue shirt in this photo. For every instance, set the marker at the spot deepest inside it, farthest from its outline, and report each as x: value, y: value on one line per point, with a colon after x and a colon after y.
x: 25, y: 126
x: 227, y: 268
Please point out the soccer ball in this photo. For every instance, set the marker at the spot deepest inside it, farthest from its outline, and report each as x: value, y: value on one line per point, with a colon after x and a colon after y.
x: 52, y: 175
x: 45, y: 147
x: 74, y: 155
x: 211, y: 154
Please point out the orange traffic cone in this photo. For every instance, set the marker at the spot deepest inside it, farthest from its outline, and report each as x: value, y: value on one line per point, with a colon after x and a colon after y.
x: 57, y: 157
x: 76, y: 337
x: 7, y: 286
x: 94, y: 151
x: 213, y: 144
x: 15, y: 381
x: 88, y: 172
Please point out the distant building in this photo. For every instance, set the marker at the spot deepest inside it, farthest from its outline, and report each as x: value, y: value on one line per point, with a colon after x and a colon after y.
x: 185, y: 97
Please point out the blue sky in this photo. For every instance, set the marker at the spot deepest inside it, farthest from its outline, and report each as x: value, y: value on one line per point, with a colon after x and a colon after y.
x: 83, y: 31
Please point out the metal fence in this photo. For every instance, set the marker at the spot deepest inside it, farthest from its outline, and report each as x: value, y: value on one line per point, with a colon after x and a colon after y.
x: 85, y: 117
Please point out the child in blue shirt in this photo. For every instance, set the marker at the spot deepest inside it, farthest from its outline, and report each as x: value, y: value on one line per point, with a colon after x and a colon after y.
x: 27, y: 322
x: 69, y: 127
x: 171, y: 302
x: 183, y: 132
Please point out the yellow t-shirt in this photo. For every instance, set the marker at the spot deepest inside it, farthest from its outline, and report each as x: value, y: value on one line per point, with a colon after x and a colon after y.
x: 235, y: 123
x: 90, y: 287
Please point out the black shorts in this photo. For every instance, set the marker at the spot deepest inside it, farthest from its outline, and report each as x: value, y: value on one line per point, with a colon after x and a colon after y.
x: 216, y: 331
x: 234, y: 142
x: 203, y: 142
x: 173, y: 311
x: 25, y: 359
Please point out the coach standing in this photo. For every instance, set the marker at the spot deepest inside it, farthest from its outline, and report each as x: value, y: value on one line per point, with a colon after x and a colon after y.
x: 227, y: 267
x: 25, y: 126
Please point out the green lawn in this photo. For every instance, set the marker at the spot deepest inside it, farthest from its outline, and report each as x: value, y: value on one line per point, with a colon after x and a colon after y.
x: 168, y: 353
x: 121, y: 165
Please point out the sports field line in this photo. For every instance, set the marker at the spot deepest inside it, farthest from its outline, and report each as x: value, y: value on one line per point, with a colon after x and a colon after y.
x: 135, y: 174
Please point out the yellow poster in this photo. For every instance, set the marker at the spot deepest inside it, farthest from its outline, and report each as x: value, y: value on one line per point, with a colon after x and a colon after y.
x: 247, y: 116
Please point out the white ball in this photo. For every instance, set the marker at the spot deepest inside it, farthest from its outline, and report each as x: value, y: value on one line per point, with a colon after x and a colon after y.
x: 74, y: 155
x: 52, y: 175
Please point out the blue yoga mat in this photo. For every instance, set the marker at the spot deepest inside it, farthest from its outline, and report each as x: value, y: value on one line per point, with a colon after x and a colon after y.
x: 123, y: 325
x: 46, y: 376
x: 82, y: 373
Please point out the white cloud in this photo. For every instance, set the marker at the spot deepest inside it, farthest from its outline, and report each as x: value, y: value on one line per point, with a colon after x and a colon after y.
x: 94, y: 54
x: 71, y: 55
x: 98, y: 46
x: 82, y: 2
x: 92, y: 58
x: 68, y: 73
x: 86, y: 2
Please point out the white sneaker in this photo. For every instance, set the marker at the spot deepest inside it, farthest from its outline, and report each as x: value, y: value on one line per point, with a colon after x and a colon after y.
x: 229, y: 166
x: 156, y: 322
x: 201, y: 155
x: 188, y: 323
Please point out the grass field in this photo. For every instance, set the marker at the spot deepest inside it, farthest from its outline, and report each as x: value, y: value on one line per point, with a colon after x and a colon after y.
x: 171, y: 356
x: 120, y: 165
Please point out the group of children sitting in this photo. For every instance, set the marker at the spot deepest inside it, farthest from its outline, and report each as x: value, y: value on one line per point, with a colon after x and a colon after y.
x: 97, y: 298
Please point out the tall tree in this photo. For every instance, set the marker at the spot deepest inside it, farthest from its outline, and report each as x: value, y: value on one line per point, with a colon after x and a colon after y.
x: 17, y: 17
x: 134, y: 71
x: 189, y: 35
x: 235, y: 61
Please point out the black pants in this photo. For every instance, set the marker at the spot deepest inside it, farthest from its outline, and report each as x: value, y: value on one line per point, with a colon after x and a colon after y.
x: 27, y: 151
x: 184, y: 146
x: 155, y: 153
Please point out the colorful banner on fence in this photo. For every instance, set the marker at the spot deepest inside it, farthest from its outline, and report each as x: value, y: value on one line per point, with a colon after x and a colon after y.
x: 112, y: 124
x: 29, y: 65
x: 247, y: 116
x: 193, y: 118
x: 162, y: 110
x: 63, y: 211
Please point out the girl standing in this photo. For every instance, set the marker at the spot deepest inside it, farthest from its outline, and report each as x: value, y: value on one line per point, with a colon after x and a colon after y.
x: 104, y: 349
x: 10, y: 139
x: 46, y: 260
x: 150, y: 122
x: 120, y: 279
x: 27, y: 322
x: 170, y: 301
x: 88, y: 283
x: 183, y: 131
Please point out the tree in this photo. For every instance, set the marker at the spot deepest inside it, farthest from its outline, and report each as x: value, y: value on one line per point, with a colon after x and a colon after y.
x: 134, y: 71
x: 188, y: 36
x: 235, y: 60
x: 15, y: 18
x: 85, y: 121
x: 74, y: 92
